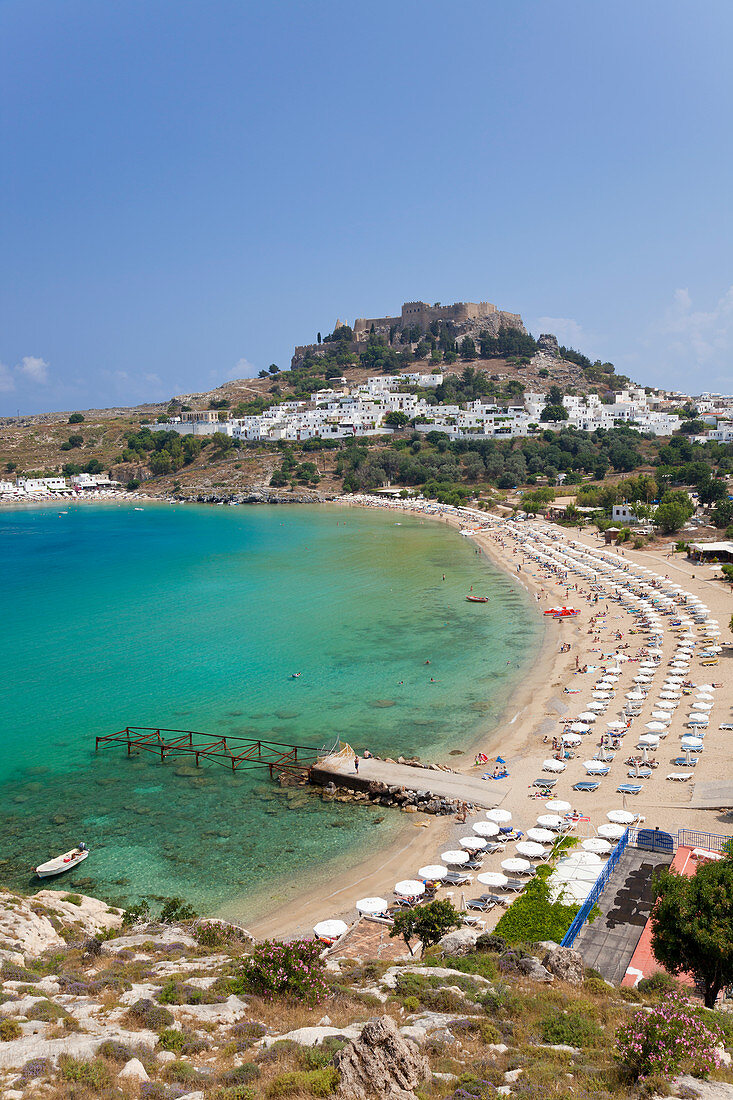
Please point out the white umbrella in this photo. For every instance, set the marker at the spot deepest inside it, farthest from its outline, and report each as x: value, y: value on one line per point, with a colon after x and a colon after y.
x: 601, y: 696
x: 604, y: 685
x: 571, y: 739
x: 616, y: 725
x: 706, y: 687
x: 611, y: 831
x: 670, y: 694
x: 455, y: 856
x: 569, y: 891
x: 531, y: 849
x: 635, y: 696
x: 689, y: 742
x: 410, y: 888
x: 643, y: 678
x: 550, y: 821
x: 516, y: 866
x: 706, y: 695
x: 656, y: 727
x: 661, y: 716
x: 551, y: 765
x: 700, y: 704
x: 698, y: 720
x: 596, y: 844
x: 621, y: 817
x: 485, y: 828
x: 492, y: 878
x: 330, y: 929
x: 577, y: 859
x: 473, y: 843
x: 649, y: 739
x: 596, y: 767
x: 558, y: 806
x: 597, y: 707
x: 500, y: 817
x: 587, y: 716
x: 578, y: 727
x: 542, y: 836
x: 666, y: 704
x: 434, y: 872
x: 372, y: 906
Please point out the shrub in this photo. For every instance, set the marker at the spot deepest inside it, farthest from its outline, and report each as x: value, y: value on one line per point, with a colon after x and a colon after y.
x: 320, y: 1056
x: 185, y: 1073
x: 175, y: 909
x: 180, y: 1042
x: 657, y: 984
x: 675, y: 1035
x: 533, y: 918
x: 150, y: 1015
x: 11, y: 972
x: 292, y: 970
x: 317, y: 1082
x: 595, y: 985
x: 94, y: 1074
x: 116, y: 1051
x: 74, y: 899
x: 241, y: 1075
x: 9, y: 1030
x: 571, y: 1028
x: 216, y: 933
x: 37, y: 1067
x: 46, y: 1011
x: 491, y: 942
x: 180, y: 993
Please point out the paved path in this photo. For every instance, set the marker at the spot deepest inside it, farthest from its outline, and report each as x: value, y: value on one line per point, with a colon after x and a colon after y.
x: 469, y: 788
x: 609, y: 942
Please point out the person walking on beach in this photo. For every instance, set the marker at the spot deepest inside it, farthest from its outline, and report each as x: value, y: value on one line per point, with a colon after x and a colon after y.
x: 356, y: 764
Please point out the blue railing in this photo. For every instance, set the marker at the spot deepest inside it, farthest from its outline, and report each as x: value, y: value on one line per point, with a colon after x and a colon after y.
x: 691, y: 838
x: 598, y: 887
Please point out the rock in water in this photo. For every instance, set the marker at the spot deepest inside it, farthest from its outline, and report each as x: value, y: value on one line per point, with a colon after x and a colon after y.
x: 381, y: 1063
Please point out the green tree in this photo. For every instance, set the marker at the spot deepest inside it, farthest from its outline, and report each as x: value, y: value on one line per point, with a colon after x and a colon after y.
x: 428, y: 923
x: 76, y: 418
x: 396, y: 419
x: 692, y: 925
x: 554, y: 412
x: 76, y: 440
x: 670, y: 517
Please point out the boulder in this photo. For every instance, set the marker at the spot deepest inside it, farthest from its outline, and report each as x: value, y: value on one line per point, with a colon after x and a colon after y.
x: 704, y: 1090
x: 313, y: 1036
x: 381, y: 1063
x: 565, y: 964
x: 133, y: 1070
x: 533, y: 968
x: 192, y: 1096
x: 389, y: 978
x: 461, y: 942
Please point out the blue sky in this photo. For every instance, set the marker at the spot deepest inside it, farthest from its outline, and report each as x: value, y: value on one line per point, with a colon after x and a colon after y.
x: 189, y: 188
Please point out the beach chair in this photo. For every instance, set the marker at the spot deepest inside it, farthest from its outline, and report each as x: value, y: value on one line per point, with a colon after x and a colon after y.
x: 679, y: 777
x: 458, y: 878
x: 681, y: 762
x: 514, y: 885
x: 628, y: 788
x: 640, y: 773
x: 482, y: 904
x: 585, y: 785
x: 544, y: 782
x: 726, y: 726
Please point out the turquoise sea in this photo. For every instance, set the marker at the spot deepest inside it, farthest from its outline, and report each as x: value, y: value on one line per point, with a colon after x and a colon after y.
x: 195, y: 618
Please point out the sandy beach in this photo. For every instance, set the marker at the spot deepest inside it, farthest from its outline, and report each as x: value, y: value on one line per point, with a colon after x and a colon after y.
x: 536, y: 713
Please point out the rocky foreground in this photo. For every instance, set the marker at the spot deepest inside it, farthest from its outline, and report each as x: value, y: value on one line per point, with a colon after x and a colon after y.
x: 91, y: 1007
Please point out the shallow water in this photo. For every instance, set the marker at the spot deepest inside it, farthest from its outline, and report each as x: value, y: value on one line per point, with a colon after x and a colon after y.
x: 196, y: 618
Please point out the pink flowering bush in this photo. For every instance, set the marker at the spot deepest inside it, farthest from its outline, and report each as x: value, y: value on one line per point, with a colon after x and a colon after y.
x: 673, y: 1036
x: 292, y: 970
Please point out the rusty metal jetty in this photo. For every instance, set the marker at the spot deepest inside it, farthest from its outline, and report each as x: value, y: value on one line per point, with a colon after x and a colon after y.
x: 237, y: 753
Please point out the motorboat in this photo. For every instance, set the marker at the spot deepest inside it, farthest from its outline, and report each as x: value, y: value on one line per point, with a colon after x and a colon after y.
x: 65, y: 862
x: 477, y: 599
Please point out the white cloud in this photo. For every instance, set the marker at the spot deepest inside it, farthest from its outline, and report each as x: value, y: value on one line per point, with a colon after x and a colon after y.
x: 7, y: 382
x: 244, y: 369
x: 700, y: 335
x: 568, y: 331
x: 34, y: 368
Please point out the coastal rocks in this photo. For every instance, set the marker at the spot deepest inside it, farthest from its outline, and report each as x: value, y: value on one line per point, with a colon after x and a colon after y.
x: 166, y: 937
x: 564, y: 963
x: 700, y: 1090
x: 91, y: 914
x: 381, y: 1063
x: 314, y: 1036
x: 227, y: 1013
x: 389, y: 978
x: 23, y: 931
x: 15, y: 1054
x: 533, y: 968
x: 461, y: 942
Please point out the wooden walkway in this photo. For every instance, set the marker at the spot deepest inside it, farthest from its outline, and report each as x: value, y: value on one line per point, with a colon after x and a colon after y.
x: 467, y: 788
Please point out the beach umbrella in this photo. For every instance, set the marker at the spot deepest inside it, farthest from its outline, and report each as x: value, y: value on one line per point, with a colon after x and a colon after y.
x: 604, y: 685
x: 700, y: 704
x: 330, y: 929
x: 410, y: 888
x: 569, y: 891
x: 635, y: 696
x: 649, y: 739
x: 643, y: 678
x: 558, y: 806
x: 661, y: 716
x: 670, y: 694
x: 656, y: 727
x: 434, y: 872
x: 621, y: 817
x: 597, y: 707
x: 499, y: 817
x: 455, y: 856
x: 372, y: 906
x: 542, y: 836
x: 612, y: 831
x: 587, y: 716
x: 550, y: 821
x: 551, y: 765
x: 596, y: 844
x: 571, y: 739
x: 706, y: 695
x: 595, y: 767
x: 688, y: 741
x: 485, y: 828
x: 698, y: 720
x: 706, y: 687
x: 667, y: 705
x: 531, y: 849
x: 492, y: 878
x: 616, y: 725
x: 601, y: 695
x: 516, y: 866
x: 577, y: 859
x: 578, y: 727
x: 473, y: 843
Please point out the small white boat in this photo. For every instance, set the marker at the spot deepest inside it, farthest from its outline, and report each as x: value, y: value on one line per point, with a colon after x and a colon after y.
x: 63, y: 863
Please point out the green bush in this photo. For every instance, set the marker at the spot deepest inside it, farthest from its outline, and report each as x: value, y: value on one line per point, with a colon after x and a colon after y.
x: 293, y: 970
x: 241, y: 1075
x: 533, y: 918
x: 11, y: 972
x: 94, y: 1074
x: 571, y: 1028
x: 320, y: 1056
x: 46, y: 1011
x: 180, y: 1042
x: 317, y: 1082
x: 150, y: 1015
x: 74, y: 899
x: 657, y: 984
x: 596, y: 986
x: 9, y: 1030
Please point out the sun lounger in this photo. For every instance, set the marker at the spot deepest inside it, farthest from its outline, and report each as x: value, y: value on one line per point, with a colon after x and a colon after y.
x: 585, y: 785
x: 514, y: 885
x: 679, y: 777
x: 628, y: 788
x: 483, y: 905
x: 544, y: 782
x: 640, y: 773
x: 680, y: 762
x: 458, y: 878
x: 726, y: 726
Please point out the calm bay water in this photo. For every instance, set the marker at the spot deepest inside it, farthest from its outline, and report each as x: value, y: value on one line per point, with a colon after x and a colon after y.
x: 195, y: 618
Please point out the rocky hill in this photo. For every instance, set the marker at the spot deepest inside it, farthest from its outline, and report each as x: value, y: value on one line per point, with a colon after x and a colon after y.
x: 94, y: 1008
